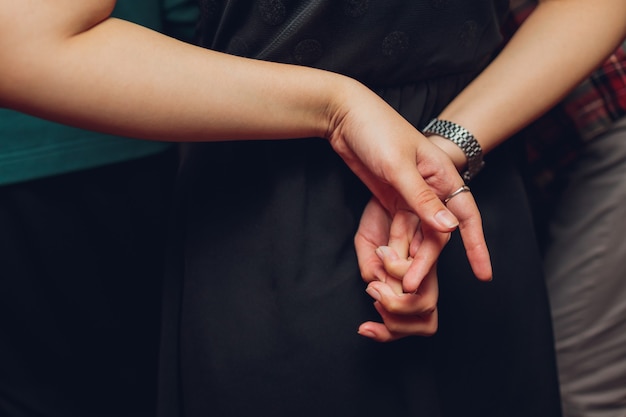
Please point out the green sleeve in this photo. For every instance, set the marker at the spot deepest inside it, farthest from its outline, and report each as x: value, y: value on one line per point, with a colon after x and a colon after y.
x: 180, y: 18
x: 143, y: 12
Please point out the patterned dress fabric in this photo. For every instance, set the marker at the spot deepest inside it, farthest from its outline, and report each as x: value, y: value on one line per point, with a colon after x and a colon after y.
x: 263, y: 307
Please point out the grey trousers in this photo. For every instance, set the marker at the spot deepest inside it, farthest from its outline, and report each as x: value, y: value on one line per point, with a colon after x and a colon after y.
x: 586, y: 277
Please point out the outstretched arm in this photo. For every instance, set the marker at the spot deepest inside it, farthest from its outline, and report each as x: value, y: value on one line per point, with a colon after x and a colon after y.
x: 69, y: 61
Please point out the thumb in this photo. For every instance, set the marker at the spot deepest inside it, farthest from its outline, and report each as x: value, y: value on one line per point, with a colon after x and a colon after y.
x: 423, y: 201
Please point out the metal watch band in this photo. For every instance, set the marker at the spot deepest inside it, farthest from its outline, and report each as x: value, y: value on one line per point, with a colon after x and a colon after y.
x: 463, y: 139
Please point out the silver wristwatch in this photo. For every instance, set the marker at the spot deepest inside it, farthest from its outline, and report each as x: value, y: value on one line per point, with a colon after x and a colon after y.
x: 463, y: 139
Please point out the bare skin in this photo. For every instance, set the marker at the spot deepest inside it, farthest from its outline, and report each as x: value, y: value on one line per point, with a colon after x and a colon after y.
x: 72, y: 63
x: 524, y: 81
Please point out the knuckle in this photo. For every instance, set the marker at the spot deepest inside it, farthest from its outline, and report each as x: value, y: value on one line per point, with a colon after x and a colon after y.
x: 396, y: 269
x: 431, y: 326
x: 367, y: 269
x: 395, y: 327
x: 393, y: 306
x: 429, y: 304
x: 426, y: 197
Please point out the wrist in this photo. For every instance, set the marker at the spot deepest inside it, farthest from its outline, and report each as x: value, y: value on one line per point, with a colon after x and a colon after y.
x: 339, y: 99
x: 455, y: 153
x: 464, y: 140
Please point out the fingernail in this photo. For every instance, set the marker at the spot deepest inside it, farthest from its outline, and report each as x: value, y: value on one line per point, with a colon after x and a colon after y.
x: 367, y: 333
x: 373, y: 293
x: 383, y: 252
x: 446, y: 219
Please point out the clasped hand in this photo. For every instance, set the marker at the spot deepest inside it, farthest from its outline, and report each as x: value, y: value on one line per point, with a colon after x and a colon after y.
x: 397, y: 257
x: 406, y: 225
x: 396, y: 253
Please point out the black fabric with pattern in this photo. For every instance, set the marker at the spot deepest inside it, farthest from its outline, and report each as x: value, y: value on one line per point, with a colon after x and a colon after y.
x: 263, y: 319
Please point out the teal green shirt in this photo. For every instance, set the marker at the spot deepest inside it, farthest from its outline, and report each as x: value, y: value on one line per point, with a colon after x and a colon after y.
x: 32, y: 148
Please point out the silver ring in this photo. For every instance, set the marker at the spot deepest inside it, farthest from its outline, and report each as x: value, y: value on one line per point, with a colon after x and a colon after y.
x: 463, y: 189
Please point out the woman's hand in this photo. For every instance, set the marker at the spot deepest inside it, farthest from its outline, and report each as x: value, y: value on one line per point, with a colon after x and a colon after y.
x: 403, y: 314
x: 390, y: 250
x: 112, y: 76
x: 406, y: 172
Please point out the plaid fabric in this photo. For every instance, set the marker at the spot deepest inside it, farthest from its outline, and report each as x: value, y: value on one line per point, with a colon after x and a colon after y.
x: 601, y: 99
x: 553, y: 141
x: 597, y: 102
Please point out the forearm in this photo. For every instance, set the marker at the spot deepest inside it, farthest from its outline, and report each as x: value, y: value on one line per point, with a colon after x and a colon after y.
x: 124, y: 79
x: 556, y: 48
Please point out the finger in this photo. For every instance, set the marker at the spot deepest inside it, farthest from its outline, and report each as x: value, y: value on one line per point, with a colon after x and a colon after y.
x: 373, y: 231
x: 401, y: 325
x: 403, y: 228
x: 422, y: 200
x: 423, y: 301
x: 403, y: 314
x: 464, y: 207
x: 424, y: 257
x: 394, y: 328
x: 370, y: 264
x: 394, y: 265
x: 377, y: 331
x: 417, y: 240
x: 395, y: 256
x: 429, y: 288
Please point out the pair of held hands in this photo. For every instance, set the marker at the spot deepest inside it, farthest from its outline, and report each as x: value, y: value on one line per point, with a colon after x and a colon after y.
x: 406, y: 225
x: 401, y: 273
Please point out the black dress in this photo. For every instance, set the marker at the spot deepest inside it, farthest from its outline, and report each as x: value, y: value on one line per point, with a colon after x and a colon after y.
x: 263, y: 318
